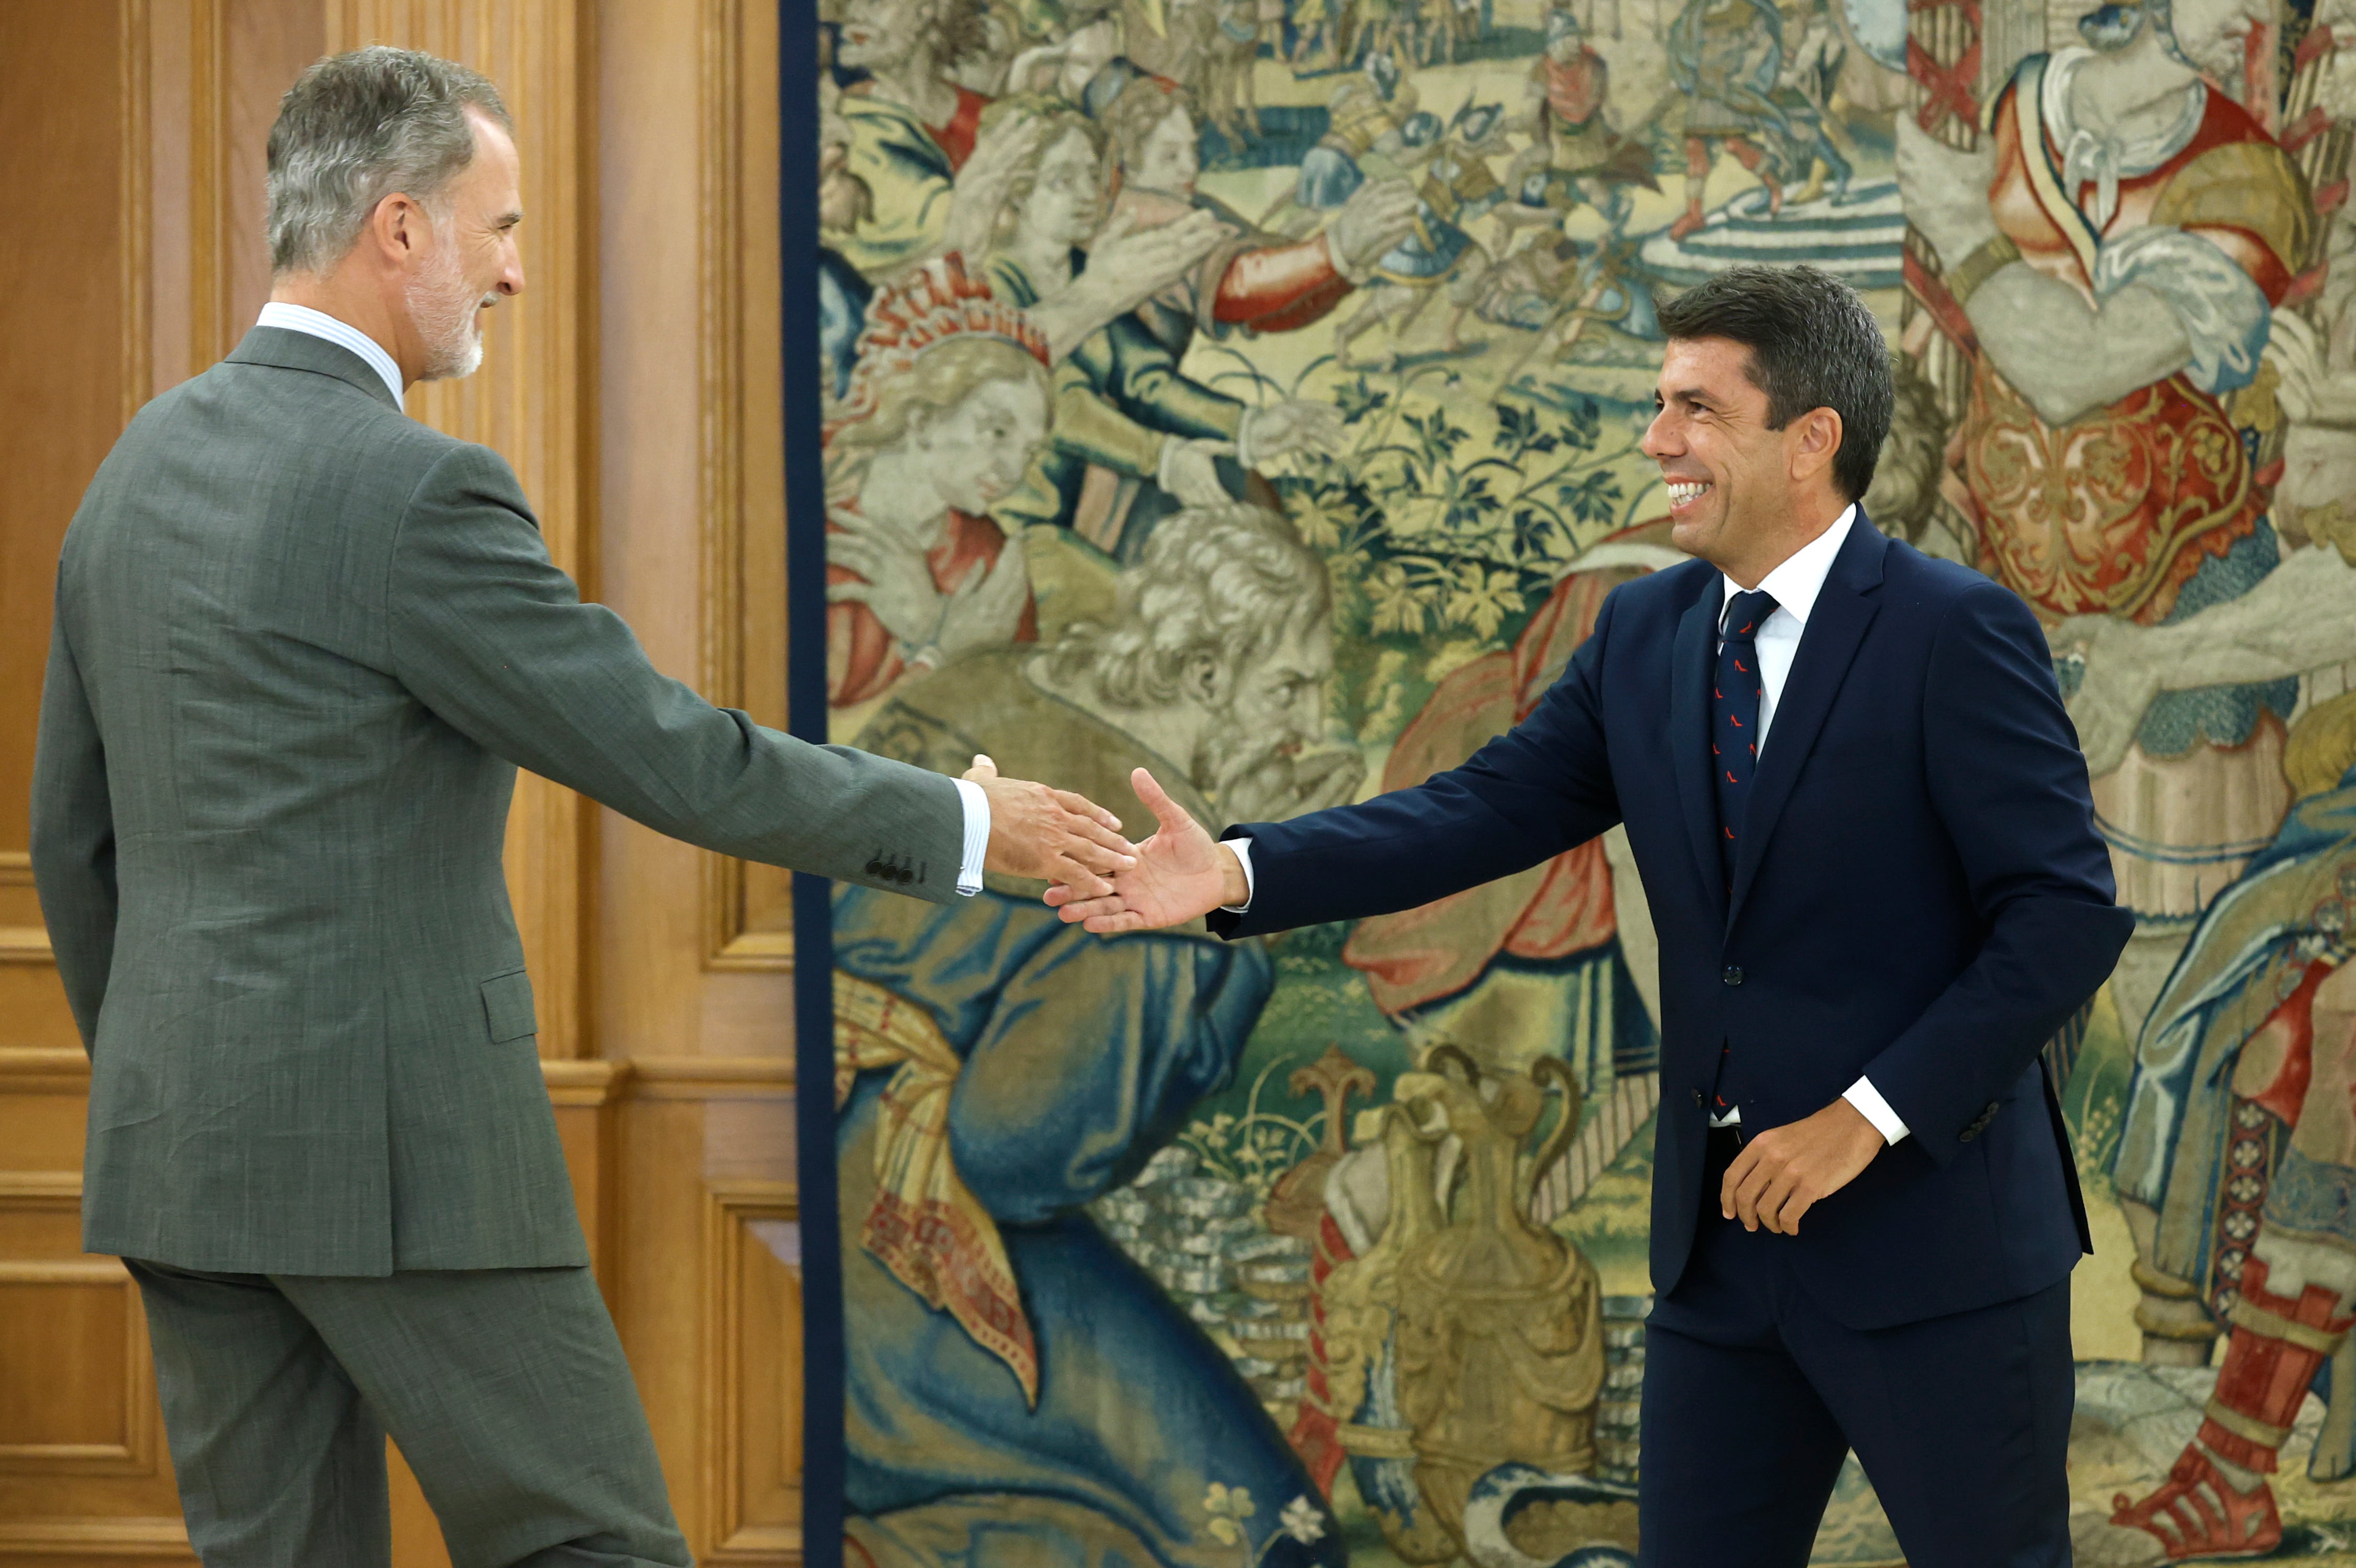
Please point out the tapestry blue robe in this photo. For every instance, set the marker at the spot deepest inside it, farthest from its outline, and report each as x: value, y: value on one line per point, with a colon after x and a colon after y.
x: 1083, y: 1056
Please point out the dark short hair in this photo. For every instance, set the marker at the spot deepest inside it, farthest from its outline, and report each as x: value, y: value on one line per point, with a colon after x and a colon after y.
x: 1813, y: 345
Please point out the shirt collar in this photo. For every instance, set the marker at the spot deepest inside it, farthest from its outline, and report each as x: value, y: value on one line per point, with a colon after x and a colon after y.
x: 1796, y: 583
x: 342, y: 334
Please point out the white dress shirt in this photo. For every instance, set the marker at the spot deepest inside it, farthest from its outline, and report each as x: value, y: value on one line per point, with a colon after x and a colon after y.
x: 1795, y: 585
x: 344, y: 335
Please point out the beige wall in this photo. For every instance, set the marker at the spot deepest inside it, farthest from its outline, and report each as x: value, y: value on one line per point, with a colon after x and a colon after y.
x: 635, y: 388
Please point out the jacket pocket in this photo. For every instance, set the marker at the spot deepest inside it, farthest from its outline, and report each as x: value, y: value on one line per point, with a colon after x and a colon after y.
x: 506, y: 1006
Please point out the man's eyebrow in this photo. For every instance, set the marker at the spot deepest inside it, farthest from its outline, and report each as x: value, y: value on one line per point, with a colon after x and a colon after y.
x: 1691, y: 397
x: 508, y: 220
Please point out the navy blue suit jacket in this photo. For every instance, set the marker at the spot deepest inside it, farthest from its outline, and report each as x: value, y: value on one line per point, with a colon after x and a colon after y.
x: 1920, y: 898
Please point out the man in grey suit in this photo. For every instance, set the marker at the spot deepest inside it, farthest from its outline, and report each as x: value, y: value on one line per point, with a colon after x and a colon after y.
x: 302, y: 646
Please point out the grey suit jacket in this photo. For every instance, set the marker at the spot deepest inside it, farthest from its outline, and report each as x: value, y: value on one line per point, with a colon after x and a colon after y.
x: 303, y: 642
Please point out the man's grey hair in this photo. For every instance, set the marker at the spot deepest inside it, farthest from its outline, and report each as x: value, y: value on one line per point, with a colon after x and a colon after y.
x: 1221, y: 581
x: 354, y: 129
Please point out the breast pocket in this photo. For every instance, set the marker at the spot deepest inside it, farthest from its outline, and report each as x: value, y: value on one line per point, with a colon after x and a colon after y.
x: 506, y: 1006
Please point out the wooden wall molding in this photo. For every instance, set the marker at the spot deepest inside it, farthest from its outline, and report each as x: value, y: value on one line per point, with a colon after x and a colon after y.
x: 67, y: 1285
x: 712, y: 1077
x: 136, y: 226
x: 531, y: 402
x: 44, y: 1069
x: 751, y: 1378
x: 740, y: 508
x: 144, y: 1539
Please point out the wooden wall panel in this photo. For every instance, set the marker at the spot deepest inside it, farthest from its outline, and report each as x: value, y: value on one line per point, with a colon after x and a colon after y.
x: 707, y: 1292
x: 82, y: 1466
x: 81, y: 1469
x: 530, y: 401
x: 693, y: 550
x: 636, y: 387
x: 73, y: 319
x: 752, y: 1405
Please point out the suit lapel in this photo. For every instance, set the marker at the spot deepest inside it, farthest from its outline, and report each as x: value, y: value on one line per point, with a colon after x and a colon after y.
x: 1835, y: 627
x: 1689, y: 734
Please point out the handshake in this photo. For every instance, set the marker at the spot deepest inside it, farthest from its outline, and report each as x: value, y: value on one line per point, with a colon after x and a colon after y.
x: 1097, y: 876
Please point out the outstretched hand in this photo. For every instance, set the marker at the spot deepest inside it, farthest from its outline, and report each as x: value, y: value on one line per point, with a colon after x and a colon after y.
x: 1180, y: 872
x: 1054, y: 834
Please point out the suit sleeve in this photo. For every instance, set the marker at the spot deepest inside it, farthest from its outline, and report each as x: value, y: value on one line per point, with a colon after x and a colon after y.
x: 2009, y: 782
x: 73, y: 837
x: 1535, y: 792
x: 490, y: 635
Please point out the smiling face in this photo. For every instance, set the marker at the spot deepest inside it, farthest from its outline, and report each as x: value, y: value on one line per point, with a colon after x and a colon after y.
x: 979, y: 450
x: 1066, y: 198
x: 1169, y: 160
x: 471, y: 259
x: 1737, y: 488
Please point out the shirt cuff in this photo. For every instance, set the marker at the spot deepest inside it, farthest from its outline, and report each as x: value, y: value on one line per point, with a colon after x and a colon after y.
x: 1876, y: 1109
x: 1242, y: 847
x: 977, y: 835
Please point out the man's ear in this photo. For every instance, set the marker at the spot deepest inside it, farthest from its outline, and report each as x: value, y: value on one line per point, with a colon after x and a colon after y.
x: 1814, y: 442
x: 397, y: 227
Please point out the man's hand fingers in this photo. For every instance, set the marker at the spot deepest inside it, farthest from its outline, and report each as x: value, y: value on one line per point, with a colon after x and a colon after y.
x: 1073, y: 875
x: 1749, y: 1191
x: 1772, y: 1201
x: 1081, y: 806
x: 1113, y: 925
x: 1075, y: 909
x: 1799, y: 1202
x: 849, y: 593
x: 983, y: 768
x: 1735, y: 1176
x: 1076, y: 846
x: 1104, y: 838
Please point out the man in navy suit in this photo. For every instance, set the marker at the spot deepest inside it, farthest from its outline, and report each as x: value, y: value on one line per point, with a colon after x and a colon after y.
x: 1863, y: 824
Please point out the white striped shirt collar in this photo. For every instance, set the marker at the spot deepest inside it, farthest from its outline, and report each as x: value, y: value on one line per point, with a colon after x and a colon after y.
x: 342, y: 334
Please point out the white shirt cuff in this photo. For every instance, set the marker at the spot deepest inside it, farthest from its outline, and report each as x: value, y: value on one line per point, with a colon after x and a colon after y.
x: 1243, y: 852
x: 977, y: 835
x: 1876, y: 1109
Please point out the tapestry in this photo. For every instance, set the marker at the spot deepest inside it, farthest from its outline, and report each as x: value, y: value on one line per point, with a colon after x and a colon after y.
x: 1251, y: 391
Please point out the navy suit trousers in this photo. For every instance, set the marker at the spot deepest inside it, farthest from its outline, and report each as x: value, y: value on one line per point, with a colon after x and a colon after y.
x: 1753, y: 1394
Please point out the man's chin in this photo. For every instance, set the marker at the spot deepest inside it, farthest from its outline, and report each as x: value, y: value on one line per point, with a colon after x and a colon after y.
x: 1692, y: 534
x: 455, y: 367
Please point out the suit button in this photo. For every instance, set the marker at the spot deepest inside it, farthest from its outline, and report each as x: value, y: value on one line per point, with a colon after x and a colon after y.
x: 1989, y: 1115
x: 1697, y: 1094
x: 1734, y: 975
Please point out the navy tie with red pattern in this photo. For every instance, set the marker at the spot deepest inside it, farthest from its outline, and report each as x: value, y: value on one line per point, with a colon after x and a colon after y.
x: 1734, y: 717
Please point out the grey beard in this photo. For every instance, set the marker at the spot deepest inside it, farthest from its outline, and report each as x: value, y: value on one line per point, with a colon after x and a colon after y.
x: 1249, y: 775
x: 442, y: 308
x: 1253, y: 780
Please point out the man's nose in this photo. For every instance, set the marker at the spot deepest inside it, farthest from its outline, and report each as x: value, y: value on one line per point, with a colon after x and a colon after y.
x: 511, y: 275
x: 1657, y: 443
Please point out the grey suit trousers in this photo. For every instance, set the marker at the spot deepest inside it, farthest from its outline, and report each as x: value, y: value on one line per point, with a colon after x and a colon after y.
x: 505, y: 1388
